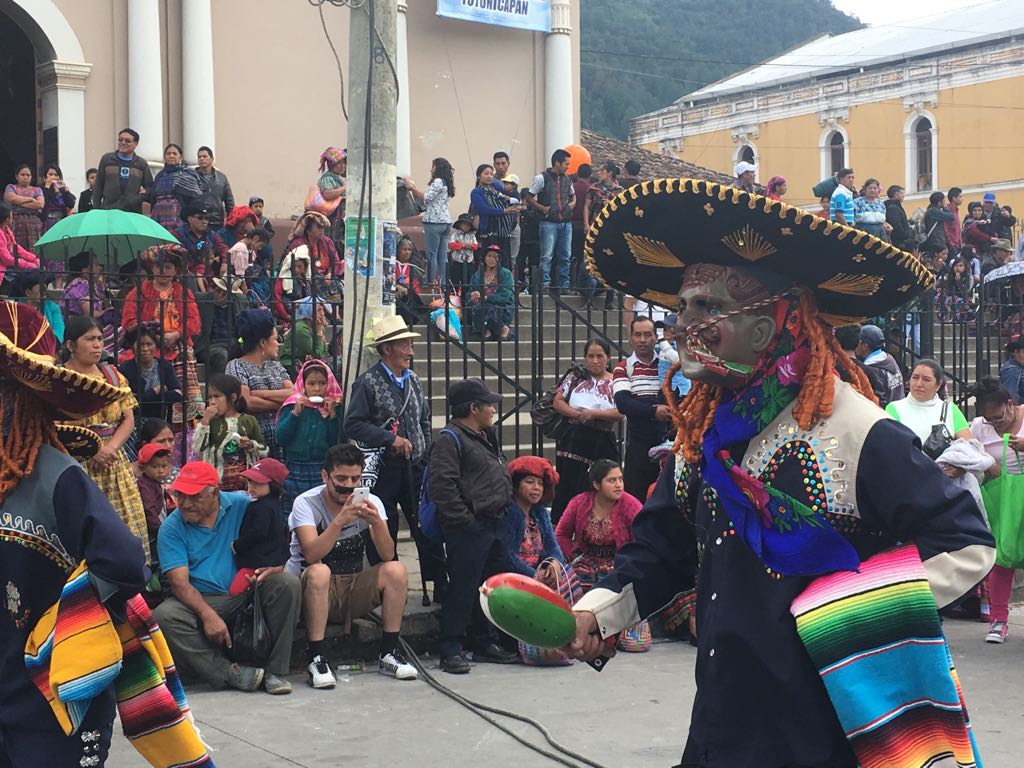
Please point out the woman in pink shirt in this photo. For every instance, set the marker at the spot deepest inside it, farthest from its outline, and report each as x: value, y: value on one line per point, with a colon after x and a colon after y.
x: 999, y: 416
x: 11, y: 253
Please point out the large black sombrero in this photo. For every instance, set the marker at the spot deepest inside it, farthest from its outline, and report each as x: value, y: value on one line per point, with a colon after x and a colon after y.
x: 647, y: 235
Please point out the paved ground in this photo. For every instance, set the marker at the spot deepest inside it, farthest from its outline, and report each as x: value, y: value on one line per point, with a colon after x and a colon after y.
x: 634, y: 713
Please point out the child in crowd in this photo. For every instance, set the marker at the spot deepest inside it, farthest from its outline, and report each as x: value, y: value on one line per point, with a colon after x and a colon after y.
x: 85, y: 199
x: 462, y: 248
x: 263, y: 538
x: 228, y: 437
x: 307, y: 425
x: 154, y: 466
x: 242, y: 254
x: 956, y: 292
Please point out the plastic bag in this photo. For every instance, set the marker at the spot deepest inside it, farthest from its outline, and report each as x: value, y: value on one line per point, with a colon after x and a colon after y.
x: 251, y: 642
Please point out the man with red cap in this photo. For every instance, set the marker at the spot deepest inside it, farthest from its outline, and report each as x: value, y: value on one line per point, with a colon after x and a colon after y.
x: 197, y: 559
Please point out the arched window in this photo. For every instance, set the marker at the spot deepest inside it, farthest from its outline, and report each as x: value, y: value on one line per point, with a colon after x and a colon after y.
x: 747, y: 154
x: 834, y: 146
x: 923, y: 153
x: 836, y: 153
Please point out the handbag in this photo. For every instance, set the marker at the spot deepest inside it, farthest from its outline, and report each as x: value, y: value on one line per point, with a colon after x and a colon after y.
x: 636, y: 639
x: 549, y: 421
x: 315, y: 202
x: 1004, y: 503
x: 251, y: 642
x: 570, y: 589
x: 939, y: 439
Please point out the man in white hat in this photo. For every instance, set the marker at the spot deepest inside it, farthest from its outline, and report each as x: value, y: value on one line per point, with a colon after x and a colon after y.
x: 388, y: 413
x: 745, y: 173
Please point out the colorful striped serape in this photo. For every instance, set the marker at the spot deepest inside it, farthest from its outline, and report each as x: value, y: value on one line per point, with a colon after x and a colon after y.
x: 875, y: 637
x: 75, y: 651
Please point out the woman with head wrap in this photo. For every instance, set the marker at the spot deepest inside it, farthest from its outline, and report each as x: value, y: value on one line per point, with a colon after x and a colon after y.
x: 311, y: 230
x: 162, y: 299
x: 292, y: 283
x: 331, y: 186
x: 265, y: 383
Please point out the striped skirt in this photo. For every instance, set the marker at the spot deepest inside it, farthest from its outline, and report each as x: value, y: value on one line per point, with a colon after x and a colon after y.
x: 27, y: 228
x: 302, y: 475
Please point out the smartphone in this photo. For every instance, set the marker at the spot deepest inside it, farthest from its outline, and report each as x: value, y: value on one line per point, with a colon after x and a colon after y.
x: 360, y: 495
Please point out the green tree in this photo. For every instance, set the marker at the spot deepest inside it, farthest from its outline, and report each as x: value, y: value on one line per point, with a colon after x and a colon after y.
x: 642, y: 55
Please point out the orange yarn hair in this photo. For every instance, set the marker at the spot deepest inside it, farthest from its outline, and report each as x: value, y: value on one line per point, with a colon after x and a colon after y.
x: 814, y: 401
x: 24, y: 427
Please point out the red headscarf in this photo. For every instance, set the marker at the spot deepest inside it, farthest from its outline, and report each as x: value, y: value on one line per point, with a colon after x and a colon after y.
x: 537, y: 466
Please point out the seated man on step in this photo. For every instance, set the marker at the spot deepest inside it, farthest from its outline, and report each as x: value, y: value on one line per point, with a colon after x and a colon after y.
x: 330, y: 527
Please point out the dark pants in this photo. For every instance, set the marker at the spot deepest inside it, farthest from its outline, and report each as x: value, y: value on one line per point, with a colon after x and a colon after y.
x: 43, y: 743
x: 398, y: 485
x: 640, y: 471
x: 578, y: 275
x: 475, y: 553
x: 281, y: 596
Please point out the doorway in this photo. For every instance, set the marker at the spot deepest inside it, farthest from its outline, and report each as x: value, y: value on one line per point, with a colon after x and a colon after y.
x: 19, y: 128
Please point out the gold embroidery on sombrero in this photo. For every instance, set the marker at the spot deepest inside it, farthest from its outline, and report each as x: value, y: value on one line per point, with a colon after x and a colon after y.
x: 638, y: 212
x: 670, y: 300
x: 854, y: 285
x: 904, y: 288
x: 749, y: 244
x: 651, y: 253
x: 786, y: 232
x: 38, y: 381
x: 837, y: 321
x: 860, y: 257
x: 709, y: 209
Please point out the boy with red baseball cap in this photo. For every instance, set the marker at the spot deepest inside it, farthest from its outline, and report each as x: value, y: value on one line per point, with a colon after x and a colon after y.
x: 263, y: 538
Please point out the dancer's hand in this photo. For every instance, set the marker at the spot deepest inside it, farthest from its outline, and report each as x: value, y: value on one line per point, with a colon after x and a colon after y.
x: 587, y: 645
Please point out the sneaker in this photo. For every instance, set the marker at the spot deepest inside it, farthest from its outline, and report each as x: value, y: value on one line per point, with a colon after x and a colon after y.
x: 320, y: 674
x: 493, y: 653
x: 455, y: 665
x: 276, y: 685
x: 395, y: 664
x: 997, y: 632
x: 245, y: 678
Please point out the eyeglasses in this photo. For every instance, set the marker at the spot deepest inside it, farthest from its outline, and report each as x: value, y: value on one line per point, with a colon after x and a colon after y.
x: 1007, y: 415
x: 125, y: 141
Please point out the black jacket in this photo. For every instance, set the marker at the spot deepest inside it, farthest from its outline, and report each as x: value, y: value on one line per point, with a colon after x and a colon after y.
x: 468, y: 480
x: 153, y: 404
x: 263, y: 540
x: 896, y: 216
x: 935, y: 219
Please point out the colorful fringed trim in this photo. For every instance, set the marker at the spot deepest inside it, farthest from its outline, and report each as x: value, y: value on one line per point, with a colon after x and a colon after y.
x: 876, y: 640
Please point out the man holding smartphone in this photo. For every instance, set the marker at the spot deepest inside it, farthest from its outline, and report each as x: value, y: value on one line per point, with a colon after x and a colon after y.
x: 331, y: 526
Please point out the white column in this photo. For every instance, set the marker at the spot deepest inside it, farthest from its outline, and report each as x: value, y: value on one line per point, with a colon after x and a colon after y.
x: 558, y: 106
x: 197, y: 77
x: 145, y: 79
x: 62, y: 92
x: 403, y: 159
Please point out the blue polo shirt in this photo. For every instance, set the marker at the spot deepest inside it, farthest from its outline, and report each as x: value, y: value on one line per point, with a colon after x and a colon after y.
x: 206, y: 551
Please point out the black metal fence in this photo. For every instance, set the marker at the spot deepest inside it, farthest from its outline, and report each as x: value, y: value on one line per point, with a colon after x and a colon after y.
x: 548, y: 333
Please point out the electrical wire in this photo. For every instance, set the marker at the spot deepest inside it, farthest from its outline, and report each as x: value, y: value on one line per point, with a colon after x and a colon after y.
x: 562, y: 755
x: 337, y: 58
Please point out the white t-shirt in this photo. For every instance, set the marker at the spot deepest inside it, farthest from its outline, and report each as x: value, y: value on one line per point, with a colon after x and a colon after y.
x: 309, y: 509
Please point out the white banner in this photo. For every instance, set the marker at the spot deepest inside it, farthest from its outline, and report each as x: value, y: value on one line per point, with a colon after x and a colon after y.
x: 522, y: 14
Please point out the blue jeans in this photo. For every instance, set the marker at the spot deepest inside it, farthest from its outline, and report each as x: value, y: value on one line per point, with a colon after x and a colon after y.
x: 436, y: 241
x: 555, y: 236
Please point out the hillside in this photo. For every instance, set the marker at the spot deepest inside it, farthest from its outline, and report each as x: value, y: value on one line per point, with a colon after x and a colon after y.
x: 639, y: 56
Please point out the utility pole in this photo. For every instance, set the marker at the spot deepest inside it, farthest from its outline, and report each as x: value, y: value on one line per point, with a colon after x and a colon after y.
x: 371, y: 172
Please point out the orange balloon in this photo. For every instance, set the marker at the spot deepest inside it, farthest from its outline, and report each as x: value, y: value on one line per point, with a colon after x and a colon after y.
x: 577, y: 156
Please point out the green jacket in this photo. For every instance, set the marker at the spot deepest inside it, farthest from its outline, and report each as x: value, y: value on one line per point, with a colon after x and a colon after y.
x: 505, y: 294
x: 298, y: 344
x: 305, y: 437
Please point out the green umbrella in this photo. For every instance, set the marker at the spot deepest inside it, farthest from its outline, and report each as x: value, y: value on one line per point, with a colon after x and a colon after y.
x: 116, y: 237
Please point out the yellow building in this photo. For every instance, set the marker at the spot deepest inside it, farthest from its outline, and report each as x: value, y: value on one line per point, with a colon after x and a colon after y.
x: 927, y: 105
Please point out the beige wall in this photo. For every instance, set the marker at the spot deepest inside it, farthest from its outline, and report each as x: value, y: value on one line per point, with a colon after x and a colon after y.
x: 473, y: 89
x: 978, y: 126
